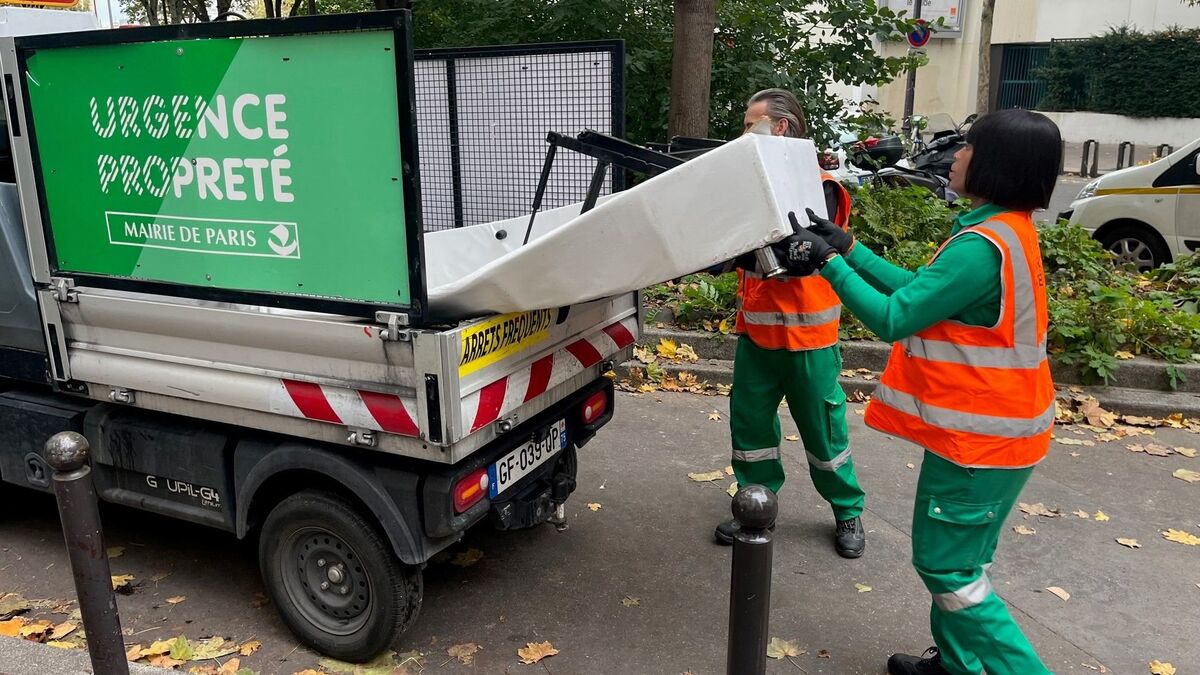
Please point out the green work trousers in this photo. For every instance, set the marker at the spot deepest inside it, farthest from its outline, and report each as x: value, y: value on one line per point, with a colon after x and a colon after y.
x: 762, y: 378
x: 957, y: 520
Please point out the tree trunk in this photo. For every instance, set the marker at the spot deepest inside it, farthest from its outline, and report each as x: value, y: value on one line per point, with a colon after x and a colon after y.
x: 983, y: 97
x: 691, y: 67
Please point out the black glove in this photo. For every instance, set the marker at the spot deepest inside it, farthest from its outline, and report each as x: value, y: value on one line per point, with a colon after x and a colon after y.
x: 803, y: 253
x: 835, y: 236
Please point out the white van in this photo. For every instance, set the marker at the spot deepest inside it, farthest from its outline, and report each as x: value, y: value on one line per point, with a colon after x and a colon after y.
x: 1146, y: 215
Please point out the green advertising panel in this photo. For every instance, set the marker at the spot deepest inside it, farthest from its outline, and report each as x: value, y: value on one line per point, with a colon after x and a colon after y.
x: 252, y: 164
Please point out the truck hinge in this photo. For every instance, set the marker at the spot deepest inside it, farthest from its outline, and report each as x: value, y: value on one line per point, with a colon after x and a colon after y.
x: 64, y: 289
x: 394, y: 322
x: 363, y: 437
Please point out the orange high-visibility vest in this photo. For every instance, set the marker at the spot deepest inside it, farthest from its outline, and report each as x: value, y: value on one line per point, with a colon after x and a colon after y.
x: 793, y: 313
x: 978, y: 396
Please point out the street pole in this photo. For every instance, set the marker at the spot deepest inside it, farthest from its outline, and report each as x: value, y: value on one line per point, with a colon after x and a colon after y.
x: 67, y: 454
x: 910, y: 88
x: 755, y: 508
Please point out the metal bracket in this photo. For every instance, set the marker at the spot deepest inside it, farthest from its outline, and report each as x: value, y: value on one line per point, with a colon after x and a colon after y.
x: 363, y: 437
x: 394, y: 331
x: 118, y: 395
x: 507, y: 424
x: 64, y: 289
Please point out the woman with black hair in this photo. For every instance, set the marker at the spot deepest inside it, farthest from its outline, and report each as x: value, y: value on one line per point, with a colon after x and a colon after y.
x: 967, y: 379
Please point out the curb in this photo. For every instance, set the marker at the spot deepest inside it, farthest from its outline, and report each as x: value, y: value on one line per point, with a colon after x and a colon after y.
x: 22, y: 657
x: 1153, y: 398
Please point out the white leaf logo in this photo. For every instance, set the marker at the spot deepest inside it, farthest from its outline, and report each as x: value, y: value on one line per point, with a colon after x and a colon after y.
x: 280, y: 241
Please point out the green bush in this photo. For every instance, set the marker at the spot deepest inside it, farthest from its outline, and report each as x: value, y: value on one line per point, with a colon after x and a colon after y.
x: 1125, y: 72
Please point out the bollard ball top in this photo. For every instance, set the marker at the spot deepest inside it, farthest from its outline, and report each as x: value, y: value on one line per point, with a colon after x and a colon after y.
x: 755, y: 507
x: 67, y: 451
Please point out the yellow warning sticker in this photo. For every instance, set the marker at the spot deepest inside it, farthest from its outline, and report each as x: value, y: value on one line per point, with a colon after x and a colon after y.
x: 490, y: 341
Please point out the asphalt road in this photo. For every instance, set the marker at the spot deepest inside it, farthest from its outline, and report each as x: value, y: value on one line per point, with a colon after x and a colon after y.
x: 651, y: 541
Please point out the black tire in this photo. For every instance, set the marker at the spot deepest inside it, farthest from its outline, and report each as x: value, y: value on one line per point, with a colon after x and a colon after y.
x: 1136, y: 245
x: 315, y: 537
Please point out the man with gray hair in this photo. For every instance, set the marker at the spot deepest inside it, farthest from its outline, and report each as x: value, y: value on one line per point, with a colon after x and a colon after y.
x: 788, y: 349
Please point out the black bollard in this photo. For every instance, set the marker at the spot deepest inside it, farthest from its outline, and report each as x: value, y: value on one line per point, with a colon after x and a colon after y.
x: 755, y: 508
x: 67, y: 453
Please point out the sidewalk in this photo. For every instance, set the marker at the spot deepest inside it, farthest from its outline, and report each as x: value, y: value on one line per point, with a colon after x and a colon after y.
x: 21, y: 657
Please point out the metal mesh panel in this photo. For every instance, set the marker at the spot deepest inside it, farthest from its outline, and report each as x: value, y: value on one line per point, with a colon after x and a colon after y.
x: 482, y: 118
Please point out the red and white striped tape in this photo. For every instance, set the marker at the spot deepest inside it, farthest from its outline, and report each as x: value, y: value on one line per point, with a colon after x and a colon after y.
x: 397, y: 415
x: 516, y: 389
x: 349, y: 407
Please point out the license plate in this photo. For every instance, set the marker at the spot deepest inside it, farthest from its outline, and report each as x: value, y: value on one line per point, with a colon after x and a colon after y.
x: 517, y: 464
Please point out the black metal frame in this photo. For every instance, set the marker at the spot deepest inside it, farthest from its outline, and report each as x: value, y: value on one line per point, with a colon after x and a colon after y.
x: 397, y: 21
x: 616, y: 49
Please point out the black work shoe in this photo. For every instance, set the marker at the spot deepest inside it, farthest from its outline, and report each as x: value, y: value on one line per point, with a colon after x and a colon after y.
x: 851, y: 539
x: 929, y: 663
x: 725, y: 531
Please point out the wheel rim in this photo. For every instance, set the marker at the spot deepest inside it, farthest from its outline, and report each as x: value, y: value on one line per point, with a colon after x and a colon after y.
x: 325, y: 580
x: 1132, y: 251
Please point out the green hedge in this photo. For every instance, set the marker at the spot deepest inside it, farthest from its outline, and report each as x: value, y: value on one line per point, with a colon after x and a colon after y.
x: 1125, y: 72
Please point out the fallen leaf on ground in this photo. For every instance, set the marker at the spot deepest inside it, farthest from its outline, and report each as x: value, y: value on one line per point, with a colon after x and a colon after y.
x: 714, y: 416
x: 686, y: 353
x: 1131, y: 543
x: 1039, y: 509
x: 847, y: 373
x: 594, y: 506
x: 1123, y: 355
x: 1186, y: 452
x: 791, y: 437
x: 824, y: 654
x: 156, y: 648
x: 778, y: 649
x: 1159, y: 668
x: 1074, y: 441
x: 729, y: 471
x: 1187, y: 475
x: 1062, y: 594
x: 120, y: 581
x: 1139, y: 421
x: 61, y: 645
x: 467, y: 558
x: 910, y: 465
x: 12, y: 627
x: 666, y: 348
x: 534, y: 652
x: 13, y: 604
x: 644, y: 354
x: 706, y: 477
x: 732, y: 489
x: 863, y: 588
x: 133, y: 652
x: 165, y: 661
x: 630, y: 601
x: 1174, y: 420
x: 384, y: 664
x: 1157, y: 450
x: 115, y: 552
x: 1107, y: 437
x: 176, y: 600
x: 249, y: 648
x: 63, y: 629
x: 1102, y: 517
x: 182, y: 650
x: 1082, y: 514
x: 465, y: 653
x: 1181, y: 537
x: 1021, y: 529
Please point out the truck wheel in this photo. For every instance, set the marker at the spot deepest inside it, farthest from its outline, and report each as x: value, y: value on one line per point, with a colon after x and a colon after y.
x: 334, y: 578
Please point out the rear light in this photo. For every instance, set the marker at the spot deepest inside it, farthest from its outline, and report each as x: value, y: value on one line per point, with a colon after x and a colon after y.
x: 594, y: 407
x: 470, y: 490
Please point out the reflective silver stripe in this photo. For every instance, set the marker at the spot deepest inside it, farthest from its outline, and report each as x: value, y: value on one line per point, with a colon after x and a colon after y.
x: 833, y: 464
x: 990, y: 425
x: 1020, y: 356
x: 966, y: 597
x: 1029, y: 348
x: 756, y: 455
x: 789, y: 320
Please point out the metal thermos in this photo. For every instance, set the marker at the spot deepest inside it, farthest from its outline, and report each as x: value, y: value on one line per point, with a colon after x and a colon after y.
x: 768, y: 264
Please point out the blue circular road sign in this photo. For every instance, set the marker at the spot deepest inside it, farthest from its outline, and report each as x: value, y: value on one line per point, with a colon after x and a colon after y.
x: 920, y: 37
